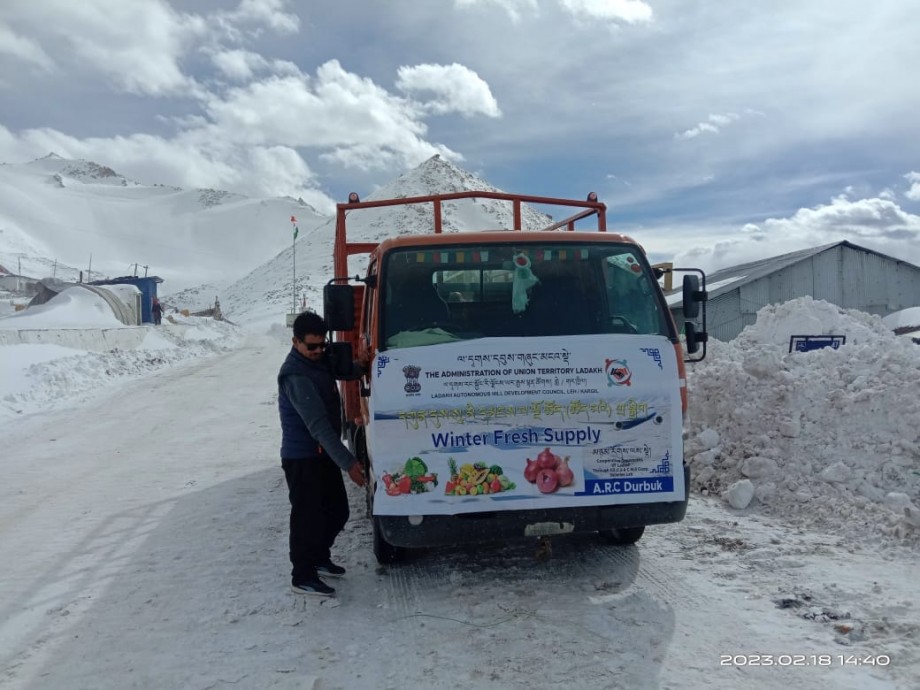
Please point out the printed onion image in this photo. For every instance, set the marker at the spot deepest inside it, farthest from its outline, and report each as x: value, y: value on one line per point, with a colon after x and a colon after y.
x: 549, y: 471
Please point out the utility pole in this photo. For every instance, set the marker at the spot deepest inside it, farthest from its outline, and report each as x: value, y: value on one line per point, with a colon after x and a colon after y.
x: 89, y: 271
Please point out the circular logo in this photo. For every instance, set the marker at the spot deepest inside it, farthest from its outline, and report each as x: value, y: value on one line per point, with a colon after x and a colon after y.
x: 618, y: 373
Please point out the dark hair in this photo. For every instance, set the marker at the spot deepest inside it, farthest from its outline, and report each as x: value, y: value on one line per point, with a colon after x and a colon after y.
x: 309, y: 323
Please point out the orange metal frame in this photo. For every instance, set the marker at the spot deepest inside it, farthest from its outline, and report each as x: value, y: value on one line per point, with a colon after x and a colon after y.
x: 344, y: 248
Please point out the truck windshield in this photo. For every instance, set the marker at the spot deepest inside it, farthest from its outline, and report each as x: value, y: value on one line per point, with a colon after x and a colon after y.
x: 443, y: 294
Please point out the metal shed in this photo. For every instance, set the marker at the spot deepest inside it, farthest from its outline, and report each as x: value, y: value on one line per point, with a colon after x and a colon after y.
x: 146, y: 284
x: 841, y: 273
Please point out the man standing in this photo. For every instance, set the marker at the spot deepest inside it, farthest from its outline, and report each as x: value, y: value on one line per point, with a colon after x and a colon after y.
x: 313, y: 455
x: 157, y: 309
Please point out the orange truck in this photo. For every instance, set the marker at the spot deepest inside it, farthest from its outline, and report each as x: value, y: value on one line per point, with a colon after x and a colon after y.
x: 523, y: 383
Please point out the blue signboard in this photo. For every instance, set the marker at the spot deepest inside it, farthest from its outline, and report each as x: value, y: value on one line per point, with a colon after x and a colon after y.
x: 807, y: 343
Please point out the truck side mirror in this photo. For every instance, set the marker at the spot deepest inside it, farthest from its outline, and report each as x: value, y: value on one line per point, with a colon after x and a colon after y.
x: 693, y: 339
x: 341, y: 356
x: 339, y: 307
x: 692, y: 297
x: 690, y: 334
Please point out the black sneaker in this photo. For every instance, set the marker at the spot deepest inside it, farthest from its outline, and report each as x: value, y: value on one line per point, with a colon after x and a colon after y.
x: 330, y: 569
x: 314, y: 587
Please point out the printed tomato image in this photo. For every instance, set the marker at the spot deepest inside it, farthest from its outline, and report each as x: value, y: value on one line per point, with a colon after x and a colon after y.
x: 549, y: 472
x: 412, y: 478
x: 476, y: 479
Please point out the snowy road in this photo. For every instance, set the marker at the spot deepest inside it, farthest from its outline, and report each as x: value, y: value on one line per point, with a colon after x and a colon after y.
x: 143, y: 544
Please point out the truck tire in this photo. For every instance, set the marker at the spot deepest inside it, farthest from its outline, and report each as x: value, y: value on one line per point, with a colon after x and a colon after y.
x: 623, y: 536
x: 385, y: 552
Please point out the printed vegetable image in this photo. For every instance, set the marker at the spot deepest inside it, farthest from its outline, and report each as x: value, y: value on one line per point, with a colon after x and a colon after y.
x: 476, y: 480
x: 413, y: 479
x: 549, y: 471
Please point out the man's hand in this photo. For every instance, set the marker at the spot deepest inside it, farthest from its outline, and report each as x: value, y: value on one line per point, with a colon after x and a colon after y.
x: 364, y: 357
x: 356, y: 473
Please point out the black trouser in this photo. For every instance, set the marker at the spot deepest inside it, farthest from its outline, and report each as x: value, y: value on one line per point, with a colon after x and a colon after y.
x: 319, y: 511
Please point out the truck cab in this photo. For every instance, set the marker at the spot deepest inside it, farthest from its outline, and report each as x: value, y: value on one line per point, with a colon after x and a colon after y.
x: 523, y: 383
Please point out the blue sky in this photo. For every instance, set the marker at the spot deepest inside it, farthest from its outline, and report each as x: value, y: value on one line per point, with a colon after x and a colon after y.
x: 718, y: 131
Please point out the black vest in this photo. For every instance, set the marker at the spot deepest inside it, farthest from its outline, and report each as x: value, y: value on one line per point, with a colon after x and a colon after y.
x: 296, y: 441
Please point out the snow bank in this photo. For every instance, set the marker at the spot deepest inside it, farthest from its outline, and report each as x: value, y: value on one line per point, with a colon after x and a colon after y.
x: 71, y: 308
x: 906, y: 318
x: 828, y: 438
x: 36, y: 377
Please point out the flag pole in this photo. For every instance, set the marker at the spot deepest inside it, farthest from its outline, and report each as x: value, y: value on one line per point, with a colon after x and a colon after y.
x: 294, y: 267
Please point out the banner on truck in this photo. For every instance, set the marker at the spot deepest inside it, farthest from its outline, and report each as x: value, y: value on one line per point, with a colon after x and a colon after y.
x: 503, y: 424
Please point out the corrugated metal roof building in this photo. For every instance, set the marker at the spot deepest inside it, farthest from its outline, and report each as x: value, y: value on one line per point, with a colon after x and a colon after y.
x: 841, y: 273
x: 146, y: 284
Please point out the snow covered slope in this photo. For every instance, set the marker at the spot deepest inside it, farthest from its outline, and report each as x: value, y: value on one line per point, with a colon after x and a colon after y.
x: 55, y: 213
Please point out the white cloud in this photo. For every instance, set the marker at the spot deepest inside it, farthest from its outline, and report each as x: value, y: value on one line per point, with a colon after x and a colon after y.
x: 456, y: 89
x: 280, y: 170
x: 713, y: 124
x: 23, y: 48
x: 240, y: 65
x: 723, y: 120
x: 267, y: 12
x: 914, y: 192
x: 141, y: 46
x: 252, y: 138
x: 248, y: 21
x: 244, y: 65
x: 137, y: 44
x: 694, y: 132
x: 875, y: 223
x: 345, y: 117
x: 859, y: 217
x: 514, y: 8
x: 629, y: 11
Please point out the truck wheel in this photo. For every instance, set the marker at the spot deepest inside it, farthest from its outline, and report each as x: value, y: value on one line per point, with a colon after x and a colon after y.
x: 385, y: 552
x: 623, y: 536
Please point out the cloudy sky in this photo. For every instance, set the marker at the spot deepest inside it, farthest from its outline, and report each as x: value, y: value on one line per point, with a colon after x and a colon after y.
x: 718, y: 130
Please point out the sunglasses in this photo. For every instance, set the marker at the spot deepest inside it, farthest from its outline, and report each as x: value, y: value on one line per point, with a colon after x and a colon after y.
x: 314, y: 346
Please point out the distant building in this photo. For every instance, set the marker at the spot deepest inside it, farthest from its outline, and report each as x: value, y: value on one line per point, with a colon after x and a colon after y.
x: 842, y: 273
x: 146, y: 284
x: 124, y: 300
x: 18, y: 284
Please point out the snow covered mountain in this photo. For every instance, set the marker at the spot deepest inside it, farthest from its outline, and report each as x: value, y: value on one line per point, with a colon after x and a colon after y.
x: 56, y: 213
x: 266, y: 293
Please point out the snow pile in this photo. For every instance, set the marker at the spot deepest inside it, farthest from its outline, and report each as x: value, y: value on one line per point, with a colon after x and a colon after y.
x: 73, y: 307
x: 906, y: 318
x: 827, y: 439
x: 40, y: 377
